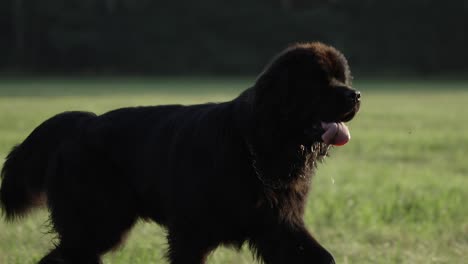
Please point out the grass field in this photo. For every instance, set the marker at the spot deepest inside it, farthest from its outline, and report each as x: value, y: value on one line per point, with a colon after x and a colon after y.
x: 397, y: 193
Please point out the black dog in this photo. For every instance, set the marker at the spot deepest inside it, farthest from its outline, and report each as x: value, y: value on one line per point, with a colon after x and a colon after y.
x: 211, y: 174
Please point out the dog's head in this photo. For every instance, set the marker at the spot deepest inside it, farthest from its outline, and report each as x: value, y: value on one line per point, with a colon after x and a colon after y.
x: 298, y: 105
x: 307, y: 84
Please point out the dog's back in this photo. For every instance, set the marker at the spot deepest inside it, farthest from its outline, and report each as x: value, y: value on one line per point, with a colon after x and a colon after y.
x: 155, y: 157
x: 101, y: 173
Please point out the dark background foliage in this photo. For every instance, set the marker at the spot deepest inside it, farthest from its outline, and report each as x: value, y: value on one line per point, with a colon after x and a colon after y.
x: 413, y: 37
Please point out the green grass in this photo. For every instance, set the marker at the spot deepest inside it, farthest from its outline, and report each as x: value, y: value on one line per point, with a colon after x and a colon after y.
x: 396, y: 193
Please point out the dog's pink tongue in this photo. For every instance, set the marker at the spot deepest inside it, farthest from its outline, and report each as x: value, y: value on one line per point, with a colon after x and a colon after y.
x: 335, y: 133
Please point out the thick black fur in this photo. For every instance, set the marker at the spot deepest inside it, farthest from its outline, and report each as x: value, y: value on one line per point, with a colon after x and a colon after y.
x: 227, y: 173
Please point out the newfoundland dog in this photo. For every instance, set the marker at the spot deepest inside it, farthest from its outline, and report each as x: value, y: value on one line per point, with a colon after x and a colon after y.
x: 211, y: 174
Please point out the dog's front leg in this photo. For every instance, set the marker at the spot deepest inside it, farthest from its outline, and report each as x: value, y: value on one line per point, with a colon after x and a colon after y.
x: 285, y: 243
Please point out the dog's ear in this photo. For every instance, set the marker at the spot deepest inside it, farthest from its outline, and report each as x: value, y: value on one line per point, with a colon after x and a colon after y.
x: 274, y: 91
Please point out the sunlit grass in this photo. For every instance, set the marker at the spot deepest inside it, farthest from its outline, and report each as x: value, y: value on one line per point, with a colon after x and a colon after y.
x: 396, y: 193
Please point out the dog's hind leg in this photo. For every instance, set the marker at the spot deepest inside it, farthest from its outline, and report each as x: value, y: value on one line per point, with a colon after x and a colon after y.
x: 91, y: 209
x: 56, y: 256
x: 84, y: 244
x: 188, y: 247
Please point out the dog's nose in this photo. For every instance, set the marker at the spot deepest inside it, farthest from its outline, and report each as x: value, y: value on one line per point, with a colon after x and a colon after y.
x: 354, y: 96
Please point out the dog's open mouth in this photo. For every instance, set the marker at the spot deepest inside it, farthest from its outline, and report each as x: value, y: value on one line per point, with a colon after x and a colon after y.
x: 335, y: 133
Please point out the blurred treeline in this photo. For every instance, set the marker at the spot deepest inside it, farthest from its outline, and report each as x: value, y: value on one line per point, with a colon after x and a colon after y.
x: 410, y: 37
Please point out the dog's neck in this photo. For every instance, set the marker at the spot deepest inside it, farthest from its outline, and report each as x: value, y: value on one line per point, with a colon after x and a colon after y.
x: 275, y: 159
x: 303, y: 166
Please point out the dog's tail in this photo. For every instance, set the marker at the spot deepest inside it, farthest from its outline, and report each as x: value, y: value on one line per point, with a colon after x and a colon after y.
x: 24, y: 171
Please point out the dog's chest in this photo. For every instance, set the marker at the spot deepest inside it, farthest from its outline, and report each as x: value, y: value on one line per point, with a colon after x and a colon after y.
x: 289, y: 199
x: 287, y: 203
